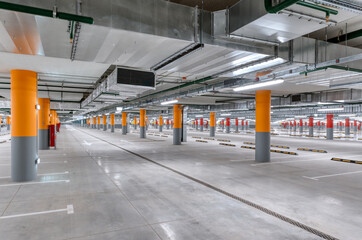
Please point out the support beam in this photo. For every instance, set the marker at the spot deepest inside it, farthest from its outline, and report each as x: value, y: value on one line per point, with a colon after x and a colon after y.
x: 161, y: 123
x: 43, y: 123
x: 177, y: 126
x: 24, y: 149
x: 329, y: 126
x: 212, y: 124
x: 112, y: 122
x: 104, y: 123
x: 142, y: 123
x: 262, y: 125
x: 124, y: 123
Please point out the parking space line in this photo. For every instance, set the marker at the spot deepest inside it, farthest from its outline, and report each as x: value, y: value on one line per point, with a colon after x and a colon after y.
x: 68, y: 210
x: 332, y: 175
x: 32, y: 183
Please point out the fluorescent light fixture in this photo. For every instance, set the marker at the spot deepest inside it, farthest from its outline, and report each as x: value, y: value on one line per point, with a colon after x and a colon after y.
x: 199, y: 115
x: 346, y: 115
x: 258, y: 66
x: 169, y: 102
x: 304, y: 116
x: 258, y: 85
x: 271, y: 112
x: 324, y: 103
x: 225, y: 114
x: 119, y: 109
x: 330, y: 109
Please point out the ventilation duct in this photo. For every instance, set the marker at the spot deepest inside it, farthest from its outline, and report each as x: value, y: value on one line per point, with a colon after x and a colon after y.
x: 122, y: 83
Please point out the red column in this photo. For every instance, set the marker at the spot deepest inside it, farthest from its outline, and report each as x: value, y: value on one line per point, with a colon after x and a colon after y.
x: 236, y: 122
x: 347, y: 122
x: 227, y: 121
x: 201, y: 121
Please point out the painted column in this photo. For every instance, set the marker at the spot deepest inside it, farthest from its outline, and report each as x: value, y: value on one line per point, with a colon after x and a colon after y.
x: 98, y: 122
x: 8, y: 122
x: 236, y: 125
x: 262, y: 125
x: 112, y: 122
x: 242, y: 125
x: 135, y: 122
x: 124, y: 123
x: 43, y: 123
x: 222, y: 125
x: 142, y: 123
x: 212, y: 124
x: 227, y: 125
x: 171, y: 124
x: 168, y: 123
x: 311, y: 125
x: 147, y: 123
x: 246, y: 125
x: 94, y: 122
x: 201, y: 124
x: 301, y: 126
x: 355, y: 126
x: 294, y: 126
x: 197, y: 124
x: 161, y: 124
x: 88, y: 122
x: 177, y: 126
x: 347, y: 127
x: 24, y: 149
x: 104, y: 123
x: 330, y: 126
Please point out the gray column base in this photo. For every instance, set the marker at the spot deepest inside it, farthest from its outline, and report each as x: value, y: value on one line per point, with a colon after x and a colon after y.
x: 212, y: 131
x: 43, y: 137
x: 24, y: 153
x: 294, y: 128
x: 98, y: 127
x: 124, y: 130
x: 330, y: 133
x: 160, y: 128
x: 236, y: 128
x: 168, y: 126
x: 201, y: 128
x: 227, y: 129
x: 112, y: 128
x: 142, y: 132
x: 310, y: 131
x: 262, y: 146
x: 301, y: 130
x: 104, y: 127
x: 347, y: 131
x: 197, y: 127
x: 8, y: 127
x: 242, y: 127
x: 355, y: 129
x: 177, y: 136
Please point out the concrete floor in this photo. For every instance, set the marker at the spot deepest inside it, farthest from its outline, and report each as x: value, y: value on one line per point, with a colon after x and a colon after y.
x: 119, y: 195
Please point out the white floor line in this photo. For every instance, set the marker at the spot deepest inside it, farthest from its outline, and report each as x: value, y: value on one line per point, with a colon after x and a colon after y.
x: 295, y: 161
x: 43, y: 174
x: 8, y: 164
x: 332, y: 175
x: 69, y: 210
x: 32, y: 183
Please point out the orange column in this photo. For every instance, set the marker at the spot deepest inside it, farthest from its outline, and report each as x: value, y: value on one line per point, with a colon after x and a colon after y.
x: 262, y: 125
x: 43, y: 123
x: 24, y: 130
x: 177, y: 124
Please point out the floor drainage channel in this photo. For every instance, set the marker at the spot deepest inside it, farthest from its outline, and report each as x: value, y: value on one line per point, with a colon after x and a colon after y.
x: 247, y: 202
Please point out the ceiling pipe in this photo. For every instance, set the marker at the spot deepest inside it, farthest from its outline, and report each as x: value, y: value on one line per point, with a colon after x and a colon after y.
x: 347, y: 36
x: 287, y: 3
x: 45, y: 12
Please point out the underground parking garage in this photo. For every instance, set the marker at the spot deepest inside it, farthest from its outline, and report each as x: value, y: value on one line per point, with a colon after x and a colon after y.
x: 182, y: 119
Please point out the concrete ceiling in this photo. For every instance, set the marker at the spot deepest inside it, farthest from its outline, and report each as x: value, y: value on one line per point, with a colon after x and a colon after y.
x: 209, y: 5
